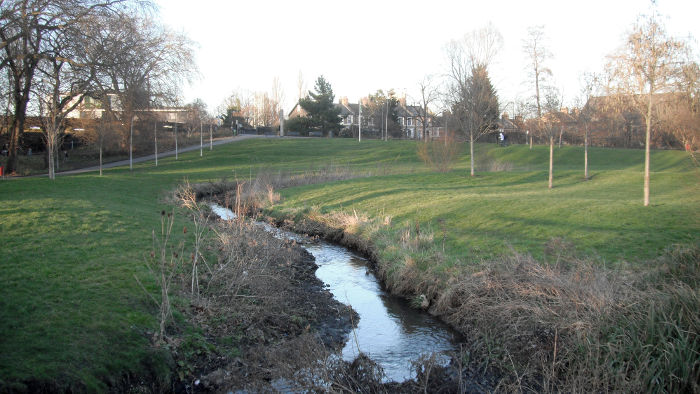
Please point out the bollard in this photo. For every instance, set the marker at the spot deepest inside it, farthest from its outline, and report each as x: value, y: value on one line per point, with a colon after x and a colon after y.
x: 1, y: 171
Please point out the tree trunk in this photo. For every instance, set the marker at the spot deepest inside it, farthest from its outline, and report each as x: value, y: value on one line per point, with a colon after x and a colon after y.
x: 52, y: 169
x: 561, y: 131
x: 471, y: 152
x: 530, y: 141
x: 15, y: 131
x: 647, y: 151
x: 551, y: 159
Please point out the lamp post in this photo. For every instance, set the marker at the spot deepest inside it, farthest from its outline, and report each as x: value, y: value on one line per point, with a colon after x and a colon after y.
x: 131, y: 144
x: 200, y: 138
x: 359, y: 121
x: 155, y: 140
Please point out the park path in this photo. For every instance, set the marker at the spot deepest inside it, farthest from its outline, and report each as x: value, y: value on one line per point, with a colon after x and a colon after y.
x: 141, y: 159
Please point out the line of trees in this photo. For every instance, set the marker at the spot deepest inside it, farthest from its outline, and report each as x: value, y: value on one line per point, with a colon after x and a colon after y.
x: 55, y: 53
x: 653, y: 76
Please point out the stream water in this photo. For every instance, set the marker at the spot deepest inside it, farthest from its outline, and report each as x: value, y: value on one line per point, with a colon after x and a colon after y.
x: 389, y: 331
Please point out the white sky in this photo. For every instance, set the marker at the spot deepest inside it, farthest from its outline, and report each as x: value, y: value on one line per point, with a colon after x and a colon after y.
x: 361, y: 46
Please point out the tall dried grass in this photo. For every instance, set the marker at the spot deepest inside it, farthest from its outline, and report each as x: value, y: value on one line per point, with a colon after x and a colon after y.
x: 163, y: 263
x: 563, y: 324
x: 255, y: 193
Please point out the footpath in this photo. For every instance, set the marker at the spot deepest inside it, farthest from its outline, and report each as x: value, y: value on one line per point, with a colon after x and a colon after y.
x: 141, y: 159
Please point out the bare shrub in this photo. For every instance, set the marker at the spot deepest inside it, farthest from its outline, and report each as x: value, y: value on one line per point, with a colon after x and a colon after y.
x: 200, y: 216
x: 163, y: 263
x: 526, y: 313
x: 260, y: 192
x: 484, y: 163
x: 440, y: 154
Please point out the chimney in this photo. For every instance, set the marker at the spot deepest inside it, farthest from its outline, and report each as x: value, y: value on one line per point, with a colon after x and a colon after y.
x: 364, y: 101
x: 402, y: 101
x: 505, y: 116
x: 344, y: 100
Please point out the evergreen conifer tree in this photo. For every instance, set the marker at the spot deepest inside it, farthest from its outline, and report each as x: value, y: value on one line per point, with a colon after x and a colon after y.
x: 323, y: 114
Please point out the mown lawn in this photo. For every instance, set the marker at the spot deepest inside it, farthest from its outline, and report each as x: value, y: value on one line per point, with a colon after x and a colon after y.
x: 483, y: 216
x: 72, y: 314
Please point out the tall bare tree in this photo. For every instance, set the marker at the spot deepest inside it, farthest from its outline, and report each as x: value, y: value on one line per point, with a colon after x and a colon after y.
x: 301, y: 86
x: 428, y: 94
x: 25, y: 28
x: 141, y: 65
x: 64, y: 79
x: 537, y: 53
x: 277, y: 98
x: 589, y: 82
x: 682, y: 119
x: 552, y: 125
x: 470, y: 93
x: 649, y: 63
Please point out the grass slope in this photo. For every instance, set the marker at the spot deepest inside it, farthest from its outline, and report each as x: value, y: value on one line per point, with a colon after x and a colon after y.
x: 72, y: 315
x: 602, y: 217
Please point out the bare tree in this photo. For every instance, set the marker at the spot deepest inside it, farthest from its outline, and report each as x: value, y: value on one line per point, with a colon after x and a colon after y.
x: 277, y: 97
x: 589, y: 82
x: 25, y: 28
x: 537, y: 53
x: 301, y: 86
x: 650, y: 62
x: 683, y: 118
x: 60, y: 89
x: 471, y: 94
x: 552, y: 125
x: 142, y: 65
x: 195, y: 115
x: 429, y: 93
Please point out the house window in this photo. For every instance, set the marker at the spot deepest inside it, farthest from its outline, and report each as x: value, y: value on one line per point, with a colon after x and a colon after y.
x: 400, y: 120
x: 409, y: 121
x: 349, y: 119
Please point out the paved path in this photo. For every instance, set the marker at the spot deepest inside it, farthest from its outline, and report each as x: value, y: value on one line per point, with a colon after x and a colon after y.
x: 141, y: 159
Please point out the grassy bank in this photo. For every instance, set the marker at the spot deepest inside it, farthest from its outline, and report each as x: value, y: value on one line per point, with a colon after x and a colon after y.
x: 577, y: 288
x: 73, y: 316
x: 71, y: 313
x: 483, y: 216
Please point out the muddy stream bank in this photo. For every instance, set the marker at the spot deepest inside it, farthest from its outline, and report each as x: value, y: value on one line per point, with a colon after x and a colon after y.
x: 389, y: 331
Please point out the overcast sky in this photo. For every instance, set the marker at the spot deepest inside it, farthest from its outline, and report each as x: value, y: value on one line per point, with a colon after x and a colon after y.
x: 361, y: 46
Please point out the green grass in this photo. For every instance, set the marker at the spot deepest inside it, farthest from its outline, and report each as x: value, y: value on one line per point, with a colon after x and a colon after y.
x: 603, y: 217
x: 72, y: 315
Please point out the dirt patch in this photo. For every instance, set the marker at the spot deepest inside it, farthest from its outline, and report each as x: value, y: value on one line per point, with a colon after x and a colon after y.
x: 283, y: 315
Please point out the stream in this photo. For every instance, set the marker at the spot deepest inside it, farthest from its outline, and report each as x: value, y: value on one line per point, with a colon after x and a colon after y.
x: 390, y: 332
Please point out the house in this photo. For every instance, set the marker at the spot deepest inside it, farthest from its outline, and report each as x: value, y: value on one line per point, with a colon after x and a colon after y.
x: 409, y: 119
x: 92, y: 108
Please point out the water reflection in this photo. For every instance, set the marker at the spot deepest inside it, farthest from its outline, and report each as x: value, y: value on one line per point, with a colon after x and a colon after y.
x: 389, y: 331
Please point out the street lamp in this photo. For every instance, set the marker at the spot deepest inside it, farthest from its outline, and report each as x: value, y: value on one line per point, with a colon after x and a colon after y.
x: 131, y: 143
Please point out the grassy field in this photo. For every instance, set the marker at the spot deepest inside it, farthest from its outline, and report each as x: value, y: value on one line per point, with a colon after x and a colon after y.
x: 72, y: 314
x: 482, y: 216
